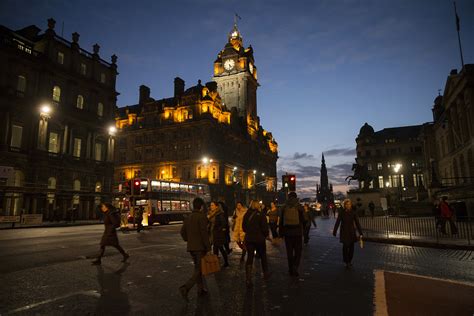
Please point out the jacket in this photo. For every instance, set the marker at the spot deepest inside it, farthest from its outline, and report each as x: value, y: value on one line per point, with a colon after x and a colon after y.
x: 255, y: 226
x: 218, y: 224
x: 272, y: 216
x: 194, y: 232
x: 446, y: 210
x: 292, y: 230
x: 349, y: 221
x: 111, y: 222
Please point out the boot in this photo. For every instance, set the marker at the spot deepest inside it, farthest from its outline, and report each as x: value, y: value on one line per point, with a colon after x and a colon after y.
x: 248, y: 276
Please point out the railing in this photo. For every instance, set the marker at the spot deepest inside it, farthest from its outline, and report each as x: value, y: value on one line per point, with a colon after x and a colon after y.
x: 424, y: 229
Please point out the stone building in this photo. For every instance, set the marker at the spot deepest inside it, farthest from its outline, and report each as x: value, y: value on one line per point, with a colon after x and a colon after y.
x: 208, y: 133
x: 57, y: 102
x: 449, y: 140
x: 394, y: 160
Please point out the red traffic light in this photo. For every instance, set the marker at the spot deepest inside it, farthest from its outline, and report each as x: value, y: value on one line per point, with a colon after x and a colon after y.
x: 292, y: 178
x: 137, y: 182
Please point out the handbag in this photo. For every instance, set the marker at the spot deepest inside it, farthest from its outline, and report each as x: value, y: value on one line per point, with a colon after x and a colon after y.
x: 210, y: 264
x: 361, y: 242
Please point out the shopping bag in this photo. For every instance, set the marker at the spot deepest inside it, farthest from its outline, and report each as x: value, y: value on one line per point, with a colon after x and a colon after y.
x: 361, y: 242
x: 277, y: 241
x: 210, y: 264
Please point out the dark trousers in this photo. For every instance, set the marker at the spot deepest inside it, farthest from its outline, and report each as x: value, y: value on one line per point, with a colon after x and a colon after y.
x: 306, y: 233
x: 273, y: 228
x: 454, y: 229
x: 261, y: 249
x: 294, y: 245
x: 196, y: 278
x: 139, y: 223
x: 102, y: 251
x: 348, y: 252
x: 220, y: 248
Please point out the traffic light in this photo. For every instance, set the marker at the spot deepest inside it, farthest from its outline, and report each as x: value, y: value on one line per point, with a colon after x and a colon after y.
x: 292, y: 183
x: 284, y: 180
x: 127, y: 187
x: 136, y: 187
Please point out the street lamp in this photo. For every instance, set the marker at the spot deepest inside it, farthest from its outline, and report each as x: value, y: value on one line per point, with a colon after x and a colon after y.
x: 45, y: 111
x: 112, y: 131
x: 397, y: 168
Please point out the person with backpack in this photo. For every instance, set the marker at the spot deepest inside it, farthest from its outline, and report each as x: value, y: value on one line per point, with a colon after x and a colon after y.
x: 291, y: 228
x: 109, y: 238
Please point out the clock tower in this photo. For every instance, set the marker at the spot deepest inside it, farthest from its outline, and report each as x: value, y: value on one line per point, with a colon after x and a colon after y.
x: 236, y: 76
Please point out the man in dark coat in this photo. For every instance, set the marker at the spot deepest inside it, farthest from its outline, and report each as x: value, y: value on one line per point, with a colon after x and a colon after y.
x: 291, y: 227
x: 109, y: 238
x: 194, y: 232
x: 225, y: 209
x: 349, y: 221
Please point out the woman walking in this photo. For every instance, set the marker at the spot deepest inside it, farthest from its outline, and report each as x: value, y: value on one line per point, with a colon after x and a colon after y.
x: 349, y: 221
x: 109, y: 238
x: 217, y: 230
x: 273, y: 219
x: 255, y: 226
x: 238, y: 234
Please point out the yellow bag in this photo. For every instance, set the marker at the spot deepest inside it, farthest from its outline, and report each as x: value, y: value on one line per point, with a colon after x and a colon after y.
x: 361, y: 242
x: 210, y: 264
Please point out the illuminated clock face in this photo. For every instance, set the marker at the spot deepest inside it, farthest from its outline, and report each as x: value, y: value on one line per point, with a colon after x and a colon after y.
x: 251, y: 68
x: 229, y: 64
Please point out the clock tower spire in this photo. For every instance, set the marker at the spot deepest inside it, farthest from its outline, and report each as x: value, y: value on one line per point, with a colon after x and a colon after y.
x: 236, y: 75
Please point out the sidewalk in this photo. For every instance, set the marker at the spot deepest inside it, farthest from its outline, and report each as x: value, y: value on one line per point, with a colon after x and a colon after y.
x: 51, y: 224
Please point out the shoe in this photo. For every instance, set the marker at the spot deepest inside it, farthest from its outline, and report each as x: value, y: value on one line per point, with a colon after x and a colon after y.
x: 184, y: 292
x: 125, y: 257
x: 96, y: 262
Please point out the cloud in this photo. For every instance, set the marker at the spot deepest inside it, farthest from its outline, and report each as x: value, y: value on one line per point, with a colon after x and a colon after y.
x: 298, y: 156
x: 341, y: 152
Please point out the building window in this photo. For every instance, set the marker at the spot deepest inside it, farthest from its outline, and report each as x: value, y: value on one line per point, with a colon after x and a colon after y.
x: 199, y: 172
x: 369, y: 167
x: 60, y: 58
x: 379, y: 166
x: 57, y: 94
x: 76, y: 186
x: 213, y: 173
x: 80, y: 102
x: 402, y: 180
x: 102, y: 78
x: 98, y: 151
x: 53, y: 146
x: 418, y: 179
x: 83, y: 69
x: 21, y: 84
x: 77, y: 148
x: 100, y: 109
x: 17, y: 133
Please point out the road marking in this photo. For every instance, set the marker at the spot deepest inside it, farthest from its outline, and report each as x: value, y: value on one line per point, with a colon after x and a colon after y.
x: 433, y: 278
x: 380, y: 297
x: 92, y: 293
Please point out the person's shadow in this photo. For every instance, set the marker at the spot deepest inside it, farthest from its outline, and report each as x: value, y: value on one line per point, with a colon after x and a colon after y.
x: 112, y: 300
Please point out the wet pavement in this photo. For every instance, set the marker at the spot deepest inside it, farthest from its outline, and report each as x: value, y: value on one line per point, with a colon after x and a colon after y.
x: 47, y: 271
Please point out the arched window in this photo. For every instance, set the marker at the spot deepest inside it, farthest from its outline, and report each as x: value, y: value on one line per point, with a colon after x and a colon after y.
x: 100, y: 109
x: 80, y: 102
x: 57, y: 94
x: 98, y: 187
x: 76, y: 186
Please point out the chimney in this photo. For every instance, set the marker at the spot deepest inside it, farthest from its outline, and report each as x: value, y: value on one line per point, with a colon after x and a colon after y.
x: 144, y: 94
x: 178, y: 86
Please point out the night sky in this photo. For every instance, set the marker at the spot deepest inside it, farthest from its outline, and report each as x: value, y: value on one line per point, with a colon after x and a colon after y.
x: 325, y: 67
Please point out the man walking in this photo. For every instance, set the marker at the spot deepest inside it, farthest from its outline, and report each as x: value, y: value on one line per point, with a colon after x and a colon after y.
x: 447, y: 214
x: 194, y: 232
x: 291, y: 228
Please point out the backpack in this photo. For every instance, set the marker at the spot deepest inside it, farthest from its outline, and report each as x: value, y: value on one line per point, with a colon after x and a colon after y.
x: 291, y: 215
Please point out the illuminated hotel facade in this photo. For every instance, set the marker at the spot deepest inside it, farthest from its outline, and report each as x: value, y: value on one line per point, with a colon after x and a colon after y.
x: 209, y: 133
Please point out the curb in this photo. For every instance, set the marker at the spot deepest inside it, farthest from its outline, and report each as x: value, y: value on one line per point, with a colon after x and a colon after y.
x: 427, y: 244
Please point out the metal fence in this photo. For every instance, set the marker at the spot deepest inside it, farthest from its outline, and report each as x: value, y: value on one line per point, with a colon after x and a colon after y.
x: 427, y: 229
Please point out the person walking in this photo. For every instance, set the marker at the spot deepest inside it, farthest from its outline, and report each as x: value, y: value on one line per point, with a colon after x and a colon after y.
x: 255, y: 226
x: 195, y: 233
x: 217, y: 230
x: 139, y: 218
x: 372, y: 208
x: 291, y: 228
x: 109, y: 238
x: 307, y: 225
x: 273, y: 219
x: 447, y: 214
x: 348, y: 221
x: 225, y: 209
x: 238, y: 234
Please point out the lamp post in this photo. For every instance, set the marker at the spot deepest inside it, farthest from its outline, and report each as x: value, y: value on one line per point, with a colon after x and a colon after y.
x: 397, y: 169
x: 45, y: 114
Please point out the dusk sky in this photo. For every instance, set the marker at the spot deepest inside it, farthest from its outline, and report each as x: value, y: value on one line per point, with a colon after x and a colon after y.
x: 325, y: 66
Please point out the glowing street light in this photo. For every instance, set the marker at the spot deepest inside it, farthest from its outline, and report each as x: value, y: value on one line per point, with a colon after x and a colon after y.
x: 235, y: 168
x: 205, y: 160
x: 112, y: 131
x: 397, y: 167
x: 45, y: 110
x: 263, y: 174
x: 255, y: 172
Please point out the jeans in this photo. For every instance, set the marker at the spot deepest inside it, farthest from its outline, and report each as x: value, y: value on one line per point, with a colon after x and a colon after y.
x: 294, y: 245
x: 273, y: 228
x: 261, y: 249
x: 196, y: 278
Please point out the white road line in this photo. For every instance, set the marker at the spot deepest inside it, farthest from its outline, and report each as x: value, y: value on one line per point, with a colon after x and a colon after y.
x: 380, y: 298
x: 92, y: 293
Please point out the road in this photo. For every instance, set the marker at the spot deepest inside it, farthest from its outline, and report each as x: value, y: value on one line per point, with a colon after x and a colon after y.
x: 47, y: 271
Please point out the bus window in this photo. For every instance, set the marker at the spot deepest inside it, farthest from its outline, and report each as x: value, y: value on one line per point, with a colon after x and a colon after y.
x: 185, y: 206
x: 174, y: 187
x: 175, y: 205
x: 155, y: 186
x: 166, y: 205
x: 165, y: 186
x: 183, y: 188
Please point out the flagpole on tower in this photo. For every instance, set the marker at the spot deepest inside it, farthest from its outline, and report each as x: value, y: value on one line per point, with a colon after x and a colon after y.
x: 459, y: 36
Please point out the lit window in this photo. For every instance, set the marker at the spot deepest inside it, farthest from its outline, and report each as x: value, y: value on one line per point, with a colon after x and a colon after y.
x: 53, y: 146
x: 76, y: 186
x: 83, y: 69
x: 98, y: 151
x: 56, y: 94
x: 100, y: 109
x: 379, y: 166
x: 60, y: 58
x: 418, y: 179
x: 77, y: 148
x: 17, y: 132
x: 21, y: 84
x: 80, y: 102
x: 102, y: 78
x: 369, y: 167
x: 402, y: 180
